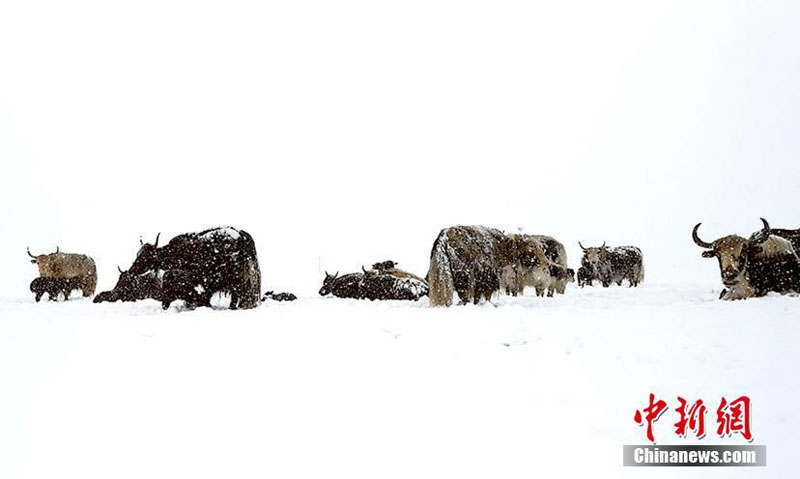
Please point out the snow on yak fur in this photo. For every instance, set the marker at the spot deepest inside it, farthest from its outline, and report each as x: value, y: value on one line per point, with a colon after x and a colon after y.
x: 767, y: 261
x: 550, y: 274
x: 66, y: 265
x: 475, y: 262
x: 613, y: 265
x: 219, y: 260
x: 133, y: 287
x: 383, y: 282
x: 54, y: 286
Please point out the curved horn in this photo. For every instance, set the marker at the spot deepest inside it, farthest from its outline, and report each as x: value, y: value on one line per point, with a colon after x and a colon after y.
x: 603, y: 246
x: 29, y: 253
x: 582, y: 247
x: 119, y: 269
x: 697, y: 239
x: 157, y: 236
x: 58, y: 249
x: 362, y: 269
x: 141, y: 243
x: 764, y: 234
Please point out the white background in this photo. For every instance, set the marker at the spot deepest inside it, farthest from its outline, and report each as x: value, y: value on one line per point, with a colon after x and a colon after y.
x: 342, y: 133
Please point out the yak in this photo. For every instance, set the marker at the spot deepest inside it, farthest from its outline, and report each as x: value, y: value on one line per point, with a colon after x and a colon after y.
x: 67, y: 265
x: 383, y: 282
x: 217, y: 260
x: 475, y: 262
x: 766, y: 261
x: 613, y: 265
x: 133, y: 287
x: 54, y: 286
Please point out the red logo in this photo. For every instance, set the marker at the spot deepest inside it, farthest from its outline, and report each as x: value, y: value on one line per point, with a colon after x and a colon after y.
x: 732, y: 417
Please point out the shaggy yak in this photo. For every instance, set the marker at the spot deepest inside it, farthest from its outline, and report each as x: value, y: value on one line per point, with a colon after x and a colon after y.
x: 54, y: 286
x: 475, y: 262
x: 218, y: 260
x: 67, y: 265
x: 383, y: 282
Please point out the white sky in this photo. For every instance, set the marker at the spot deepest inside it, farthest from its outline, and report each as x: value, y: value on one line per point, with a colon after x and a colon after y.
x: 341, y: 133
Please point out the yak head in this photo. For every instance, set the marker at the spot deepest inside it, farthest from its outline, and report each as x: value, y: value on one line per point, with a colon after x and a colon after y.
x: 48, y: 266
x: 39, y: 259
x: 733, y: 252
x: 596, y: 259
x: 147, y: 258
x: 133, y: 287
x: 327, y: 283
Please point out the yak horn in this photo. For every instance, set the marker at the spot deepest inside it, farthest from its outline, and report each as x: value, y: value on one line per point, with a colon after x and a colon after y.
x: 29, y: 253
x: 58, y: 249
x: 141, y: 243
x: 119, y: 269
x: 697, y: 239
x: 764, y: 234
x: 579, y: 244
x: 604, y: 245
x: 363, y: 269
x: 157, y: 236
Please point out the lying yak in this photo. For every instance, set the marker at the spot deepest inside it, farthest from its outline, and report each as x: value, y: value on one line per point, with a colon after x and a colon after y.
x: 133, y: 287
x: 54, y: 286
x: 383, y: 282
x: 612, y: 265
x: 217, y: 260
x: 68, y: 265
x: 766, y: 261
x: 475, y: 262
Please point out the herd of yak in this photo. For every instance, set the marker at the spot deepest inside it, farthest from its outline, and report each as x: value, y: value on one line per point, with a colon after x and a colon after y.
x: 472, y: 263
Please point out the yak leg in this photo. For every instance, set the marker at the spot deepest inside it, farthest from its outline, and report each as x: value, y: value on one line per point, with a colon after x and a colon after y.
x: 39, y: 296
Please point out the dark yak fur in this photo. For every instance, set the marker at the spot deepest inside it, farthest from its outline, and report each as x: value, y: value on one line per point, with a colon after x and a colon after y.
x: 221, y: 260
x: 183, y: 285
x: 278, y: 296
x: 765, y: 262
x: 133, y: 287
x: 383, y: 282
x: 613, y: 265
x: 54, y: 286
x: 585, y: 276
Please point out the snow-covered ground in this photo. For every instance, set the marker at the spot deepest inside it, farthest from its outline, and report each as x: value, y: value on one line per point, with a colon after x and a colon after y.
x: 325, y: 387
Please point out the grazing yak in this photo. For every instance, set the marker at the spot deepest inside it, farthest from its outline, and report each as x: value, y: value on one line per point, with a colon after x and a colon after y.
x: 54, y: 286
x: 556, y: 253
x: 133, y: 287
x: 767, y: 261
x: 383, y: 282
x: 612, y: 265
x: 218, y: 260
x: 66, y: 265
x: 546, y: 271
x: 475, y: 262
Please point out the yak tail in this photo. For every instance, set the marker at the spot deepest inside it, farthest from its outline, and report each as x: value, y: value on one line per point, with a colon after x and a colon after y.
x: 251, y: 288
x: 440, y: 274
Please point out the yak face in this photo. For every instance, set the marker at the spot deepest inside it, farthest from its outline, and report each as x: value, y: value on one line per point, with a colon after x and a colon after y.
x: 596, y: 260
x: 133, y: 287
x: 147, y: 258
x: 733, y: 252
x: 327, y: 283
x: 42, y: 260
